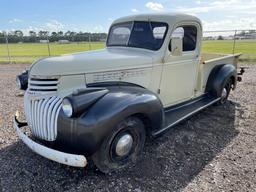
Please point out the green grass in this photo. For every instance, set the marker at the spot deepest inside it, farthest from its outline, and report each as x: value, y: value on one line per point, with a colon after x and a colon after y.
x: 246, y: 47
x: 29, y: 52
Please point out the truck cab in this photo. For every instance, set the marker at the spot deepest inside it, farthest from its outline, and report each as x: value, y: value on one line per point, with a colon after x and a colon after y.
x: 102, y: 104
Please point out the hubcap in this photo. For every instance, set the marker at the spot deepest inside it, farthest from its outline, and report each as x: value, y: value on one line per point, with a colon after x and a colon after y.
x: 224, y: 94
x: 124, y: 145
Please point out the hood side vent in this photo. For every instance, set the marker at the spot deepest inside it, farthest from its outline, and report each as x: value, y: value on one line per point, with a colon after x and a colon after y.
x: 43, y: 85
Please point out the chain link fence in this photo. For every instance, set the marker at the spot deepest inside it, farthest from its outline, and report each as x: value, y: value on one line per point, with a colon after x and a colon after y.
x: 231, y: 42
x: 26, y: 49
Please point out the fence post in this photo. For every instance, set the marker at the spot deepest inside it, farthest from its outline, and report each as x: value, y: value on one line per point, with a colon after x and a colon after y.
x: 90, y: 48
x: 7, y: 47
x: 234, y: 43
x: 48, y: 45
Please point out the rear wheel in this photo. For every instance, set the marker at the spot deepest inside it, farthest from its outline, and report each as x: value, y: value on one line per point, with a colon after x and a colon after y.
x: 225, y: 93
x: 122, y: 147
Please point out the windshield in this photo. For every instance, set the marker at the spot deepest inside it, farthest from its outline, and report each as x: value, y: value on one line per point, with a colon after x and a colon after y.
x: 141, y: 34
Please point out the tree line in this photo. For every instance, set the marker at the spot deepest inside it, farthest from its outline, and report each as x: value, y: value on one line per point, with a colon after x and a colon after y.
x: 33, y: 37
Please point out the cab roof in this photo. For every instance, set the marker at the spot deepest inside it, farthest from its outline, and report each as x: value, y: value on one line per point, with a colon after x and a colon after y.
x: 169, y: 18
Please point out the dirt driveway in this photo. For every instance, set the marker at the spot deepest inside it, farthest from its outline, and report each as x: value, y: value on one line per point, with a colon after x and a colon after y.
x: 213, y: 151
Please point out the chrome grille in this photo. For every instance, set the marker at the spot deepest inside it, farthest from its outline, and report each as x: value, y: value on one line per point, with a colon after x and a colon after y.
x: 41, y: 115
x: 43, y: 85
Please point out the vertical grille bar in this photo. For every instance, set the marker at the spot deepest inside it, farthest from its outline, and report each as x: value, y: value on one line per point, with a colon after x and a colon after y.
x: 36, y: 119
x: 45, y: 119
x: 54, y: 118
x: 41, y: 120
x: 42, y: 116
x: 34, y: 131
x: 39, y: 114
x: 49, y: 116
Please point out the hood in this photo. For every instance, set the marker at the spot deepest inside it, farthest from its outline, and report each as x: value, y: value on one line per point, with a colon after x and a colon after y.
x: 92, y: 61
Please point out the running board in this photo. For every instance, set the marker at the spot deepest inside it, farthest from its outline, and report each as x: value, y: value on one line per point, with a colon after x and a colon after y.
x: 180, y: 112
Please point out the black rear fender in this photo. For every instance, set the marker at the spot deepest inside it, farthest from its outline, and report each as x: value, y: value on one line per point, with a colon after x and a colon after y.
x: 218, y: 78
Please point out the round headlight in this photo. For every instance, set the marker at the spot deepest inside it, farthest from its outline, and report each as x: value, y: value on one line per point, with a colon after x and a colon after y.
x: 18, y: 83
x: 67, y: 107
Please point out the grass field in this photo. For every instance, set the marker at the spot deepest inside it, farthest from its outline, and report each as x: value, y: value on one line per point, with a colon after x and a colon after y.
x: 28, y: 52
x: 246, y: 47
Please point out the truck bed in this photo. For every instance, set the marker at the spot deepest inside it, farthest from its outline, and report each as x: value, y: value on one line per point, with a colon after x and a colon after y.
x: 208, y: 61
x: 209, y: 56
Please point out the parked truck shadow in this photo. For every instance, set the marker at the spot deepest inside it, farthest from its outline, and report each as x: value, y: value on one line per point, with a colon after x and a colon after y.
x: 169, y: 162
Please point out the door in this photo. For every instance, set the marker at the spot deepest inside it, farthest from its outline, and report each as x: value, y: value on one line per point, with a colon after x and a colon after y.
x: 179, y: 72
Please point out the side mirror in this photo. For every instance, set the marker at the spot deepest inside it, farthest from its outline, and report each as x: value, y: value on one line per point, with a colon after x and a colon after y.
x: 177, y: 46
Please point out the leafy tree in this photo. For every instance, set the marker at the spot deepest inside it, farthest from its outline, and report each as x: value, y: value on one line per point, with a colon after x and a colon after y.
x: 18, y: 33
x: 220, y: 38
x: 60, y: 33
x: 32, y: 33
x: 18, y: 36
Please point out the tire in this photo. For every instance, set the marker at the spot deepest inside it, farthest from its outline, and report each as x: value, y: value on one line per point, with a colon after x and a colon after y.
x: 225, y: 93
x: 111, y: 157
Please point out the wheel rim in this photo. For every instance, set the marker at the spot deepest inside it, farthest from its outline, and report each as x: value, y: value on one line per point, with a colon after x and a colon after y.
x: 224, y: 94
x: 124, y: 145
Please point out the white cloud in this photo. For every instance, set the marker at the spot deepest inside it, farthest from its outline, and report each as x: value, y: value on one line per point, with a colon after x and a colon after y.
x: 225, y: 2
x: 235, y: 14
x: 53, y: 25
x: 231, y: 24
x: 134, y: 10
x: 233, y: 5
x: 224, y: 5
x: 15, y: 20
x: 30, y: 28
x: 154, y: 6
x: 110, y: 19
x: 193, y: 10
x: 231, y: 16
x: 98, y: 29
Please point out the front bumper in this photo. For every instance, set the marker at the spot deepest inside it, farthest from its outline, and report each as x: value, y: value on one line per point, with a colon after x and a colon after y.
x: 54, y: 155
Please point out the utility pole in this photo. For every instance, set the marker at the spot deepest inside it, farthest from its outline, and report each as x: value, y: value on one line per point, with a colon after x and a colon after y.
x: 234, y: 42
x: 7, y: 47
x: 90, y: 48
x: 48, y: 45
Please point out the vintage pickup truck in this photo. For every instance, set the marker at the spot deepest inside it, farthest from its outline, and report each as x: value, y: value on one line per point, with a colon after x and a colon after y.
x: 101, y: 105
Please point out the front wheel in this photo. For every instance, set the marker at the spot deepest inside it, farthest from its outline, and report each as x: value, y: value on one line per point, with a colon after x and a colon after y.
x: 122, y: 147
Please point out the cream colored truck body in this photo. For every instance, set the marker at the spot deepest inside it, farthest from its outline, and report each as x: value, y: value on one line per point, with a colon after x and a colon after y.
x: 174, y: 75
x: 174, y: 78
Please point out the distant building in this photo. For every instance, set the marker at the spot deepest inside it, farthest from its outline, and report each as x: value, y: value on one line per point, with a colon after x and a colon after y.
x: 43, y: 41
x: 231, y: 37
x: 63, y: 41
x: 246, y: 35
x: 209, y: 38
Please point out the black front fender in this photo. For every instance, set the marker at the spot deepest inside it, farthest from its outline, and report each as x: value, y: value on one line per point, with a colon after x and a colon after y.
x: 86, y: 132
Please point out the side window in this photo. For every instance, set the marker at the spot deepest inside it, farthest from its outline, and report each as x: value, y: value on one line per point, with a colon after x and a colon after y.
x: 159, y: 32
x: 189, y: 36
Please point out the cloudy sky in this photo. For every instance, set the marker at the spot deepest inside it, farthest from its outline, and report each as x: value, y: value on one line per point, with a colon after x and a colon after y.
x: 97, y: 15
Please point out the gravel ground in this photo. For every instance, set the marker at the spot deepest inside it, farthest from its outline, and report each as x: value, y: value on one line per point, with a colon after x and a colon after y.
x: 213, y: 151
